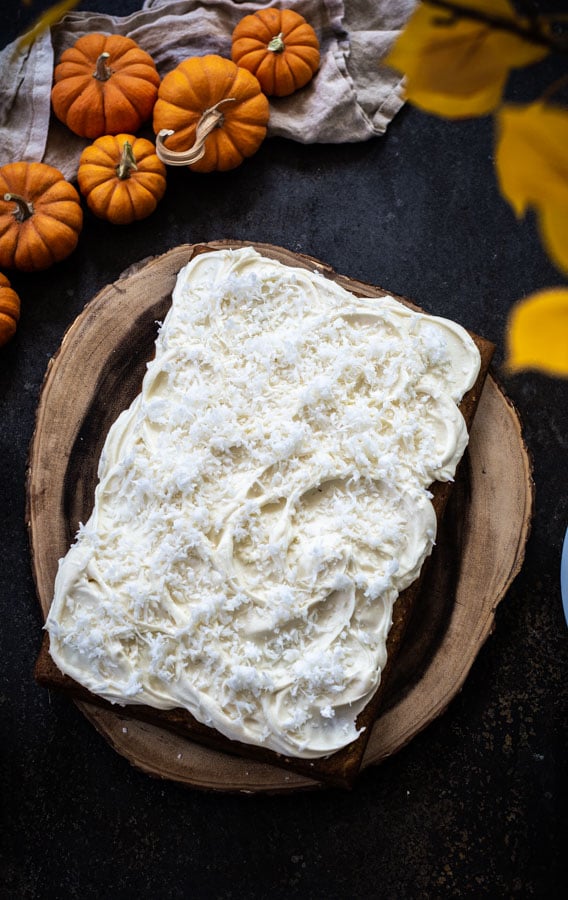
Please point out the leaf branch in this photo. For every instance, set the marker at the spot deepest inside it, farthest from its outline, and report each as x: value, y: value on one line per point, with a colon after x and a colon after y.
x: 532, y: 31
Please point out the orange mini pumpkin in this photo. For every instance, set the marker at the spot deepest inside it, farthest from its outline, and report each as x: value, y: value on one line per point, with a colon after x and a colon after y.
x: 40, y: 216
x: 279, y: 47
x: 212, y: 113
x: 104, y: 84
x: 9, y: 310
x: 121, y: 178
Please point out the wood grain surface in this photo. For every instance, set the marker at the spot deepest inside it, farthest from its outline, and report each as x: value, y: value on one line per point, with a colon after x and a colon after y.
x: 97, y: 372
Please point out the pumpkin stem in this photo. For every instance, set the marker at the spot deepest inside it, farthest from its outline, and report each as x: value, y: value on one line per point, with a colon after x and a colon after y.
x: 24, y: 208
x: 127, y: 163
x: 102, y: 70
x: 212, y: 118
x: 277, y: 44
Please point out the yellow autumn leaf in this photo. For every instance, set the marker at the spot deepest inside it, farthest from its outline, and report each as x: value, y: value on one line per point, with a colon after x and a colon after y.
x: 537, y: 333
x: 456, y: 66
x: 531, y: 159
x: 50, y: 17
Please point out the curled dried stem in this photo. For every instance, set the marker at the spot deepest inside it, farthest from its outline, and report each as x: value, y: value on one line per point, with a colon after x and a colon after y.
x: 212, y: 118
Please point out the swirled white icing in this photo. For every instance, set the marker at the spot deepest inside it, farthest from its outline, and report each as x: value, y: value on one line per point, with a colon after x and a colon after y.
x: 262, y: 503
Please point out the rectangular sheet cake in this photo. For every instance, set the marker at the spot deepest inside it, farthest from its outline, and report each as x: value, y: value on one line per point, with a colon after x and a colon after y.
x: 264, y: 510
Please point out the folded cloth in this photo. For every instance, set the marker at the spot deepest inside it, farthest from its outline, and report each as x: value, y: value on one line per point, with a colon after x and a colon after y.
x: 352, y: 97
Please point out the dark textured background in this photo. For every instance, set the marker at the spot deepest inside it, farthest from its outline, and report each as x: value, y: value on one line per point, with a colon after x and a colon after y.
x: 474, y: 806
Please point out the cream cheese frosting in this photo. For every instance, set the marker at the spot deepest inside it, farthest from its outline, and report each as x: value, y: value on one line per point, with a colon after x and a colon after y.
x: 262, y: 503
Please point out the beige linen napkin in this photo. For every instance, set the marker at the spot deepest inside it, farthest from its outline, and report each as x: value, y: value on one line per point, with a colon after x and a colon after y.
x: 352, y: 97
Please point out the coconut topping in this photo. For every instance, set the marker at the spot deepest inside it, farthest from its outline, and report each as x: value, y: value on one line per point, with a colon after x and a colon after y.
x: 262, y: 503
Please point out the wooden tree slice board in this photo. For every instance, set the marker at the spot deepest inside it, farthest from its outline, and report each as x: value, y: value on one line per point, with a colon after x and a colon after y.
x: 98, y: 371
